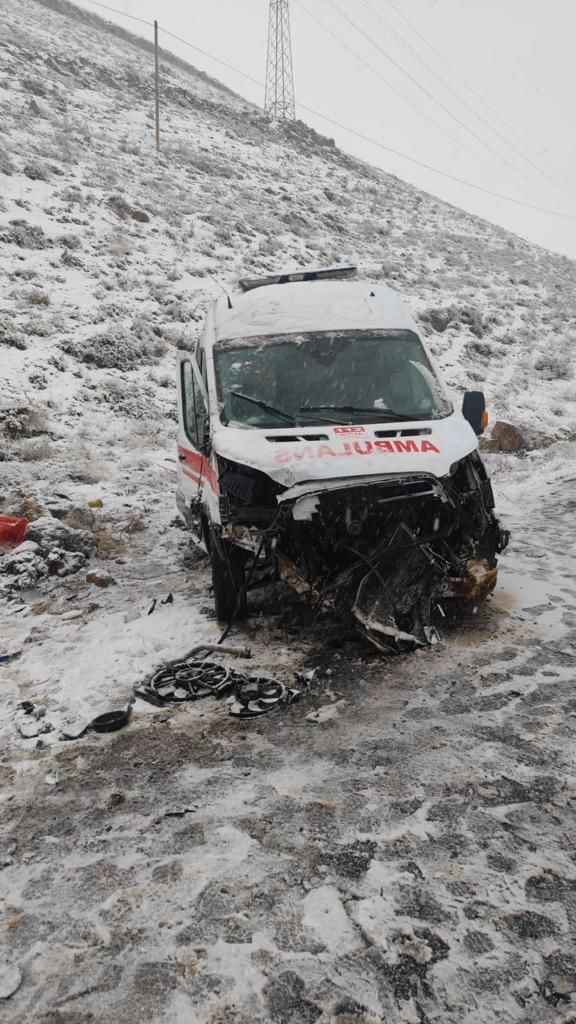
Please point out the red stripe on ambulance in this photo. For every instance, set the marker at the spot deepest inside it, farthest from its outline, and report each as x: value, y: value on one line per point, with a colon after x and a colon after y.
x: 198, y: 469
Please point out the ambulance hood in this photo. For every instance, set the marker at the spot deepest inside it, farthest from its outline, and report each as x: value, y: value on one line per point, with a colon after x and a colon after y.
x: 296, y: 456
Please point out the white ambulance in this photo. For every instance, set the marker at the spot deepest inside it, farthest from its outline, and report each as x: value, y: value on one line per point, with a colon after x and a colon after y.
x: 316, y: 438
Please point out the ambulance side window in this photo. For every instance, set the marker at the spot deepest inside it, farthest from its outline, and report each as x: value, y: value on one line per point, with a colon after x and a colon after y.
x: 195, y: 416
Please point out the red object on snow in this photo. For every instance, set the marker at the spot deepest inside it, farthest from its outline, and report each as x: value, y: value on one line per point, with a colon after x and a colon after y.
x: 12, y: 530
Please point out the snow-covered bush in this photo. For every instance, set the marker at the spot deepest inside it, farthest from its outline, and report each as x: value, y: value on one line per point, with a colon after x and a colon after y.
x: 21, y: 420
x: 36, y: 449
x: 36, y: 171
x: 25, y: 235
x: 555, y: 365
x: 116, y: 348
x: 6, y: 165
x: 37, y: 297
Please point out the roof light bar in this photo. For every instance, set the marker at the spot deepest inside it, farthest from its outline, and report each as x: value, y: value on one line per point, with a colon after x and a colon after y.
x: 328, y: 274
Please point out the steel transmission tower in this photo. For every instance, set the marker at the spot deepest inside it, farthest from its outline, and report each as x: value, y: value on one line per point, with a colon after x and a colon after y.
x: 279, y: 102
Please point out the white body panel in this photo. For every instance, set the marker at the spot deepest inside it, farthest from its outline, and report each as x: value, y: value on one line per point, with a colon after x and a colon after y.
x: 349, y: 452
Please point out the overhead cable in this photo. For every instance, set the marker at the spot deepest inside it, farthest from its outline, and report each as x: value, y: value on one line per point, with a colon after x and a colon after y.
x: 485, y: 145
x: 439, y: 127
x: 461, y: 99
x: 114, y: 10
x: 352, y: 131
x: 461, y: 79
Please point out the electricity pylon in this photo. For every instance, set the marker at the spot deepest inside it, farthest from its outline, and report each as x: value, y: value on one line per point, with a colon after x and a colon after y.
x: 279, y: 101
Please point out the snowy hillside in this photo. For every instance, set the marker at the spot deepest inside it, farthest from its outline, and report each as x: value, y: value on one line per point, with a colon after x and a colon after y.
x: 394, y: 847
x: 108, y: 253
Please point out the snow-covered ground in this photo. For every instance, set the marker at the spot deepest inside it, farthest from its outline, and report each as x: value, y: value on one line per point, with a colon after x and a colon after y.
x: 407, y: 850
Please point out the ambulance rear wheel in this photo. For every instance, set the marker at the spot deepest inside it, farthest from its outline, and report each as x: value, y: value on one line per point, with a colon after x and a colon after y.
x: 228, y: 580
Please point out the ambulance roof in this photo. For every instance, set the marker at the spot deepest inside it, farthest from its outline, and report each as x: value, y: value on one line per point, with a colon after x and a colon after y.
x: 310, y: 306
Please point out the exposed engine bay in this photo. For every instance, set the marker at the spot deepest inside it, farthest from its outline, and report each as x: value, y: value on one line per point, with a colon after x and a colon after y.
x: 381, y: 552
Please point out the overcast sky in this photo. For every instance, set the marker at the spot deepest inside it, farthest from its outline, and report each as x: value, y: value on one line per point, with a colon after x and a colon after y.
x: 518, y: 55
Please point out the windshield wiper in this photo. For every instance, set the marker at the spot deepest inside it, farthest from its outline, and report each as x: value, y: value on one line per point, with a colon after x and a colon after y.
x: 383, y: 415
x: 267, y: 408
x: 288, y: 416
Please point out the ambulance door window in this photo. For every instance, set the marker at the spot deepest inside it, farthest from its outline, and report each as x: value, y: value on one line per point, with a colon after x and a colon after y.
x: 195, y: 415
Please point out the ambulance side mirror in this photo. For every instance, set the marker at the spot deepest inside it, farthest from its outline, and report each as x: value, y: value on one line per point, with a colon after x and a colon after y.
x: 474, y: 411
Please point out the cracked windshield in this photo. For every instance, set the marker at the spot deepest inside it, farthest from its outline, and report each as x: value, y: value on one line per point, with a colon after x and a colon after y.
x: 341, y: 377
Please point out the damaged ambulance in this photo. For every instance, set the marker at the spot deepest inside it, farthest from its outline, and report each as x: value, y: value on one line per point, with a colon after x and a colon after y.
x: 317, y: 441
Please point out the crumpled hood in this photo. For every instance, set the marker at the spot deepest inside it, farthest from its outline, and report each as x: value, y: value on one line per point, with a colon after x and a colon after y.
x: 325, y: 453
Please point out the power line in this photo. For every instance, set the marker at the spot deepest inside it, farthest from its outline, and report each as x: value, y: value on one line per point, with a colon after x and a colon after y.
x: 132, y: 17
x: 352, y: 131
x: 436, y: 124
x: 422, y: 88
x: 462, y: 80
x: 223, y: 63
x: 436, y: 170
x: 484, y: 120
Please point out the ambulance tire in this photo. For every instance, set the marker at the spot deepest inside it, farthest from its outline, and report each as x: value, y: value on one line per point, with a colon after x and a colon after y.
x: 228, y: 581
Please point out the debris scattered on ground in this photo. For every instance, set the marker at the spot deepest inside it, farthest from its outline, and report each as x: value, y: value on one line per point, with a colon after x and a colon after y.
x: 192, y: 679
x: 31, y: 721
x: 100, y: 578
x: 5, y: 659
x: 327, y: 713
x: 12, y: 529
x: 254, y: 697
x: 112, y: 721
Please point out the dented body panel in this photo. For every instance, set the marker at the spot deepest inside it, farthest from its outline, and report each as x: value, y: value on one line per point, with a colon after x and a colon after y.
x: 291, y: 457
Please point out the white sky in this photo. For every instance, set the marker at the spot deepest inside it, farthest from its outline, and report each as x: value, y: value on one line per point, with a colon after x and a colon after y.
x: 517, y: 54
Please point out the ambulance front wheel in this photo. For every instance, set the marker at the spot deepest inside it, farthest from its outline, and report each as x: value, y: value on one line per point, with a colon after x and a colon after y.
x: 228, y: 580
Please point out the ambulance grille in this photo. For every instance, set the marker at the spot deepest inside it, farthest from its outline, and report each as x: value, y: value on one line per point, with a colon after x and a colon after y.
x: 290, y: 438
x: 409, y: 432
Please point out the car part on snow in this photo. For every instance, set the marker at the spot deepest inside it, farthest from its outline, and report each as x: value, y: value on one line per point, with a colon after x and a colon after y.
x: 31, y: 721
x: 192, y: 679
x: 5, y: 659
x: 235, y: 652
x: 12, y: 530
x: 256, y: 697
x: 111, y: 721
x: 185, y: 681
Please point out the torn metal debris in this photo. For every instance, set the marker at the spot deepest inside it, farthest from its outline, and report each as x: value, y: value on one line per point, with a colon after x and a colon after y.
x: 384, y: 553
x: 248, y: 695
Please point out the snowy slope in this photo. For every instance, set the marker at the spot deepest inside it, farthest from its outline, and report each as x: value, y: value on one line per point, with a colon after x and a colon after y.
x: 397, y: 845
x: 107, y: 253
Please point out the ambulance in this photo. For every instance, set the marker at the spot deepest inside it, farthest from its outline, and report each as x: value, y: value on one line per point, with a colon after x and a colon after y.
x: 317, y: 443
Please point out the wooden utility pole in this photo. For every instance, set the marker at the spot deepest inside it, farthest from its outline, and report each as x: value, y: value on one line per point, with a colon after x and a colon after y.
x: 157, y: 77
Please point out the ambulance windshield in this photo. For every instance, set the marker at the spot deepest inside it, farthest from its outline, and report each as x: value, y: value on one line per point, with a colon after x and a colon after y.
x: 332, y: 376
